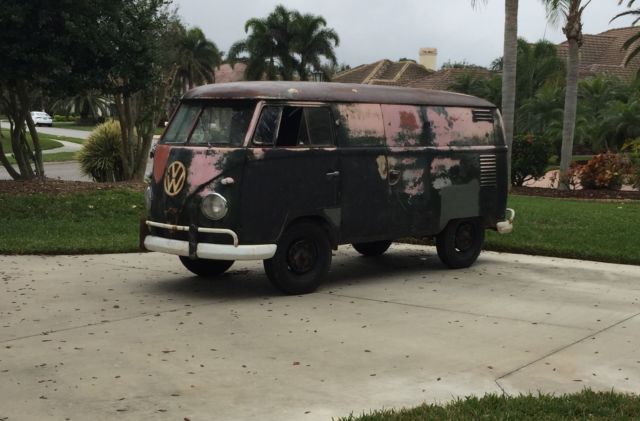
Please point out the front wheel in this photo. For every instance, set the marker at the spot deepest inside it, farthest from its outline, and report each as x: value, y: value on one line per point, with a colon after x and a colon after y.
x: 302, y: 259
x: 206, y: 268
x: 374, y: 248
x: 459, y: 244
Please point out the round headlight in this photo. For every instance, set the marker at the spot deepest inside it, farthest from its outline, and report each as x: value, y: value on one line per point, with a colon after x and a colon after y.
x: 148, y: 196
x: 214, y: 206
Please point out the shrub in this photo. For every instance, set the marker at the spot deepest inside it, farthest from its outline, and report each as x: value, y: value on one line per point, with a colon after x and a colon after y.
x: 529, y: 158
x: 633, y: 147
x: 100, y: 154
x: 64, y: 118
x: 604, y: 171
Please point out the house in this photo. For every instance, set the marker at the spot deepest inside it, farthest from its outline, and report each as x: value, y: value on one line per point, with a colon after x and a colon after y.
x: 225, y: 73
x: 603, y: 53
x: 442, y: 79
x: 384, y: 72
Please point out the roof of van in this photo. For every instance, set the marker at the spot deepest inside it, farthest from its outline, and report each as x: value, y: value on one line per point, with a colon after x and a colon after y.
x: 334, y: 92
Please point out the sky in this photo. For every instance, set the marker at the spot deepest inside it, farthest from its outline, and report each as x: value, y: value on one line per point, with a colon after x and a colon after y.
x: 371, y: 30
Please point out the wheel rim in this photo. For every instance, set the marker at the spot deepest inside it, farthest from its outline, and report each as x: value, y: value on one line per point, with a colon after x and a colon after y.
x: 464, y: 237
x: 302, y: 256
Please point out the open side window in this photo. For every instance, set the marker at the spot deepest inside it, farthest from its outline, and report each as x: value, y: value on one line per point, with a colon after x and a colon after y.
x: 294, y: 126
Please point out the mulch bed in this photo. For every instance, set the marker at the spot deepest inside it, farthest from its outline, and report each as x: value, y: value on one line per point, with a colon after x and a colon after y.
x: 55, y: 187
x: 577, y: 194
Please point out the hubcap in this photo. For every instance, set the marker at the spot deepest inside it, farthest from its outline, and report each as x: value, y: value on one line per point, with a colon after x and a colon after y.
x: 464, y: 237
x: 302, y: 256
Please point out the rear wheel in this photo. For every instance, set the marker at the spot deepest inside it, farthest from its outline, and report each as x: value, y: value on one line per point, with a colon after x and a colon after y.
x: 459, y: 244
x: 374, y: 248
x: 206, y: 268
x: 302, y: 259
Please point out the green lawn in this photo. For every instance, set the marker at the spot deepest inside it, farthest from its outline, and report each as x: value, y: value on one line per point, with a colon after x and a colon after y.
x: 46, y: 141
x: 586, y: 405
x: 107, y: 221
x: 604, y: 231
x: 103, y: 221
x: 73, y: 126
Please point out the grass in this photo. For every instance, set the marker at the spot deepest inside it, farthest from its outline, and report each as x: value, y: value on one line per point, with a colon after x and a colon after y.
x: 94, y: 222
x: 107, y: 221
x: 46, y: 141
x: 73, y: 126
x: 590, y: 230
x: 580, y: 406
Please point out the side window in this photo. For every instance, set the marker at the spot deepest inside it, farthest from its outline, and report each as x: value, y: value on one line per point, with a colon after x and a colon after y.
x: 294, y: 126
x: 319, y: 125
x: 363, y: 124
x: 267, y: 128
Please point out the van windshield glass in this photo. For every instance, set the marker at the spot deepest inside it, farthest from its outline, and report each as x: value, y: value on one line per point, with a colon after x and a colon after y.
x: 210, y: 124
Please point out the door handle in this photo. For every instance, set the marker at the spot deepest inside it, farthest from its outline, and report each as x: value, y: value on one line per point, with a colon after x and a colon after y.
x: 394, y: 177
x: 332, y: 175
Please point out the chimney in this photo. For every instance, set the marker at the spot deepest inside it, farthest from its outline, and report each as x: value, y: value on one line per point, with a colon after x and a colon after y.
x: 428, y: 57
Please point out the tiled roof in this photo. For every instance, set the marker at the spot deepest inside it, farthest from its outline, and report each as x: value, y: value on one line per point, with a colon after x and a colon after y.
x: 603, y: 53
x: 442, y: 79
x: 225, y: 73
x: 383, y: 72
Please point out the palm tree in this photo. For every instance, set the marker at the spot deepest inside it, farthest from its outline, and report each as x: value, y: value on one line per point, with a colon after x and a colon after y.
x: 312, y: 41
x: 634, y: 38
x: 571, y: 12
x: 90, y: 105
x: 510, y: 58
x: 197, y: 58
x: 267, y: 50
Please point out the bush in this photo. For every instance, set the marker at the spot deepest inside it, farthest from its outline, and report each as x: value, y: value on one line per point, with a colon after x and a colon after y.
x: 529, y: 158
x: 100, y: 154
x: 604, y: 171
x: 633, y: 147
x: 64, y: 118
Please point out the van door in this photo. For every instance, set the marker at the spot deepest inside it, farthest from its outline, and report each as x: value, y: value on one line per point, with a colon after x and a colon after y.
x: 363, y: 173
x: 413, y: 209
x: 292, y: 171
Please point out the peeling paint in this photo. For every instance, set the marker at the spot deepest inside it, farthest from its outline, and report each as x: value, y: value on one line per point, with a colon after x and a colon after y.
x: 382, y: 166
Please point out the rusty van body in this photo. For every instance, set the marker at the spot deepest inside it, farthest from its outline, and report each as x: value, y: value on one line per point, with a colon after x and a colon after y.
x: 286, y: 171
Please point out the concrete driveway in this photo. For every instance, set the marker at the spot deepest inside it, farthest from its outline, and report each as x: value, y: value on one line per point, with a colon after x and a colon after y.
x: 135, y: 336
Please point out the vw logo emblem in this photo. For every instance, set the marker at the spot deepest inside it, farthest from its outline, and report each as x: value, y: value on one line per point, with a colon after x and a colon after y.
x: 174, y: 178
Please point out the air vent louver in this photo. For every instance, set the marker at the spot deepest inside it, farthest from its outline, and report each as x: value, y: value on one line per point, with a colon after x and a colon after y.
x: 487, y: 170
x: 482, y: 115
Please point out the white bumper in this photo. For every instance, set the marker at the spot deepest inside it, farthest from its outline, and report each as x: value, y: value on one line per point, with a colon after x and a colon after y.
x: 506, y: 226
x: 211, y: 251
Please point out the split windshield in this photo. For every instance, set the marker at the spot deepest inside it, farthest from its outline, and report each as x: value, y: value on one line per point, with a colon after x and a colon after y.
x: 210, y: 124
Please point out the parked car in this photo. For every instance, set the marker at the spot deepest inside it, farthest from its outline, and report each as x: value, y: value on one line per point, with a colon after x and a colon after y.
x: 284, y: 172
x: 40, y: 118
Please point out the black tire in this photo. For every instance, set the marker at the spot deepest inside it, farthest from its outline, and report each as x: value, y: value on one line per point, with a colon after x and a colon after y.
x: 302, y: 259
x: 206, y: 268
x: 374, y: 248
x: 460, y: 243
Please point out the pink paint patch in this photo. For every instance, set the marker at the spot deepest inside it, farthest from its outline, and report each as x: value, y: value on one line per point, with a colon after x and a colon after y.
x: 413, y: 184
x: 443, y: 164
x: 204, y: 167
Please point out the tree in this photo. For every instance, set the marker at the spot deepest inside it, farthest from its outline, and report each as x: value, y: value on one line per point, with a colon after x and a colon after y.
x: 35, y: 40
x: 268, y: 47
x: 571, y: 12
x: 311, y: 41
x: 632, y: 42
x: 140, y: 72
x: 284, y: 45
x: 198, y: 57
x: 510, y: 58
x: 91, y: 105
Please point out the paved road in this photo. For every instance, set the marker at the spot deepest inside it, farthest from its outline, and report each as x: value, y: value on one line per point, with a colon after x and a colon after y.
x: 137, y: 337
x: 59, y: 131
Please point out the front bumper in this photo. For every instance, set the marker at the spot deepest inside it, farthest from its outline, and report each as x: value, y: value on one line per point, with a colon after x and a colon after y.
x: 206, y: 250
